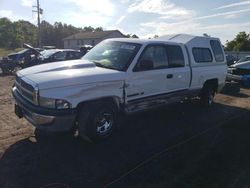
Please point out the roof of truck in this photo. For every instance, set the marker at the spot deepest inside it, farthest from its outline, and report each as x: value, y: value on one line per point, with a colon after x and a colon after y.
x: 184, y: 38
x: 177, y: 38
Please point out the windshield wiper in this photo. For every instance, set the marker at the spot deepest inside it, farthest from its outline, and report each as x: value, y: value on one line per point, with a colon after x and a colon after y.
x: 98, y: 64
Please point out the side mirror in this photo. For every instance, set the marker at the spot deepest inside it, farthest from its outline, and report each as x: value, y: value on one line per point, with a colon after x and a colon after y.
x: 144, y: 64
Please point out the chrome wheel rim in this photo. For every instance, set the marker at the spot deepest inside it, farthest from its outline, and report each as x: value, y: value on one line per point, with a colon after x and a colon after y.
x: 1, y: 71
x: 104, y: 123
x: 210, y: 99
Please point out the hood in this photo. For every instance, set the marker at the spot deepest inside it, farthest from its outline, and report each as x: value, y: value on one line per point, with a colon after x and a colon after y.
x: 67, y: 73
x: 31, y: 48
x: 243, y: 65
x: 13, y: 54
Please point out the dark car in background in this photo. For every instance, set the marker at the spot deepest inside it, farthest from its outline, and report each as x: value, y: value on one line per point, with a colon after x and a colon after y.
x: 244, y: 59
x: 239, y: 72
x: 18, y: 56
x: 19, y: 60
x: 85, y: 48
x: 54, y: 55
x: 34, y: 56
x: 230, y: 59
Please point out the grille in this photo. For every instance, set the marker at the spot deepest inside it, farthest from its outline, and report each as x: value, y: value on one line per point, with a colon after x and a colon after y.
x: 25, y: 89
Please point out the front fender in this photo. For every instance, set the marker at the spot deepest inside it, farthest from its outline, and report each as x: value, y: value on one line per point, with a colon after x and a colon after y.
x: 80, y: 93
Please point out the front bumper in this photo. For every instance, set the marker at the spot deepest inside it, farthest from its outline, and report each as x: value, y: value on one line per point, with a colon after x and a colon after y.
x: 51, y: 120
x: 233, y: 77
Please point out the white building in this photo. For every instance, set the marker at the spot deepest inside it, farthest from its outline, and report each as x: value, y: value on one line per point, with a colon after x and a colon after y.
x: 90, y: 38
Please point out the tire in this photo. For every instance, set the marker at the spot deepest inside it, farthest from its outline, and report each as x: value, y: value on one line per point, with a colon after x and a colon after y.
x: 207, y: 95
x: 97, y: 120
x: 1, y: 71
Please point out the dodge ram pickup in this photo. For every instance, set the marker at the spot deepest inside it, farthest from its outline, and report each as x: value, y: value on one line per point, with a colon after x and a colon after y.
x: 119, y: 76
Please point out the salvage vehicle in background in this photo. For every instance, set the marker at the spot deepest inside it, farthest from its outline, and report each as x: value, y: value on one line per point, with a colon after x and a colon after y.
x: 28, y: 51
x: 244, y: 59
x: 31, y: 56
x: 19, y: 60
x: 7, y: 66
x: 119, y: 76
x: 85, y: 48
x: 239, y: 72
x: 230, y: 59
x: 54, y: 55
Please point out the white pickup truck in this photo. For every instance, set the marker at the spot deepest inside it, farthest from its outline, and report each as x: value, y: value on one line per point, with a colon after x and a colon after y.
x: 119, y: 76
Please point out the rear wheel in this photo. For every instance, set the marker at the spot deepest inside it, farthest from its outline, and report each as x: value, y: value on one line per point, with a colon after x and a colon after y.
x: 207, y: 95
x: 97, y: 121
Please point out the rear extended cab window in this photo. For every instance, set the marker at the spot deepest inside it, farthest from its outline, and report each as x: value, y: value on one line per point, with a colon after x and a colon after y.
x: 217, y: 51
x: 202, y: 55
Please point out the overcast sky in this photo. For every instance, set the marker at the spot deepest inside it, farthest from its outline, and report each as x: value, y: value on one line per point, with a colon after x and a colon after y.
x: 145, y: 18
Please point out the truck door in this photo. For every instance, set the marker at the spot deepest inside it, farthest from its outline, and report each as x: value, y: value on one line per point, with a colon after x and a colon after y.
x: 178, y: 63
x: 150, y: 75
x: 156, y: 75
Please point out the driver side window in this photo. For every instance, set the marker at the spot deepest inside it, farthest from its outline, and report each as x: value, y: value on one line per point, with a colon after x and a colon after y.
x: 153, y: 57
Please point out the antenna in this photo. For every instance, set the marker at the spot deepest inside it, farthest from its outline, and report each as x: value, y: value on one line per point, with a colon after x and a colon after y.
x: 38, y: 11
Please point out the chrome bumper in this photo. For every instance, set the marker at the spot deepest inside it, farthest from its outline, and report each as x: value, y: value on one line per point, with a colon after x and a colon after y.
x: 233, y: 77
x: 51, y: 120
x: 37, y: 119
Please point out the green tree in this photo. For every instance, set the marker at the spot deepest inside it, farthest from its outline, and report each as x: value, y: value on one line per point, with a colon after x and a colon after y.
x: 99, y: 29
x: 14, y: 34
x: 25, y: 32
x: 88, y: 29
x: 156, y: 36
x: 240, y: 43
x: 47, y: 36
x: 6, y: 33
x: 132, y: 36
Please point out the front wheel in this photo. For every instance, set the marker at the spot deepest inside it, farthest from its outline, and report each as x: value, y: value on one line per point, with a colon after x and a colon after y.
x: 97, y: 121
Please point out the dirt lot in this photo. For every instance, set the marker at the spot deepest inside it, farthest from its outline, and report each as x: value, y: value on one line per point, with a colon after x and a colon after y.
x: 11, y: 128
x: 203, y: 161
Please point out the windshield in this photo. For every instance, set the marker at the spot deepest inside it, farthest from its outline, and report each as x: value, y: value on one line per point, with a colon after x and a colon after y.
x: 113, y: 54
x: 48, y: 53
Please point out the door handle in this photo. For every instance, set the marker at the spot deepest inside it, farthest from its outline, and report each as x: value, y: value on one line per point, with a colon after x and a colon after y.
x: 169, y: 76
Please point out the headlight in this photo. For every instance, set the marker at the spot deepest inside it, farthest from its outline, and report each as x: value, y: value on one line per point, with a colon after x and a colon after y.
x: 54, y: 103
x: 62, y: 104
x: 47, y: 102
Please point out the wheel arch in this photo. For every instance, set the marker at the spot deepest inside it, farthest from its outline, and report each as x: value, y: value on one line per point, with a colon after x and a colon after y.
x: 214, y: 82
x: 112, y: 99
